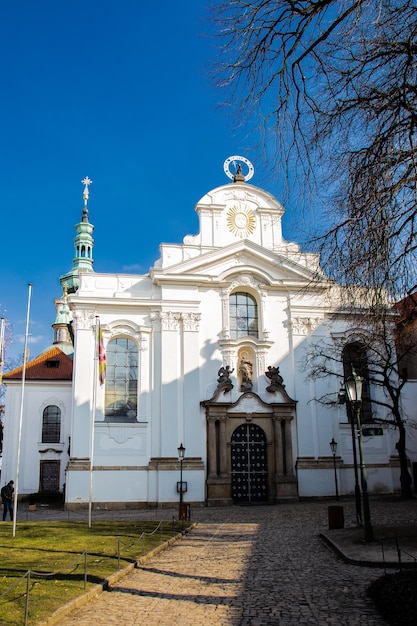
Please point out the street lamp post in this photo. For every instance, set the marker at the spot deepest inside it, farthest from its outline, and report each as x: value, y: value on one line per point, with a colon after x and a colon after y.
x: 333, y: 448
x: 354, y: 392
x: 181, y: 453
x: 342, y: 400
x: 355, y: 465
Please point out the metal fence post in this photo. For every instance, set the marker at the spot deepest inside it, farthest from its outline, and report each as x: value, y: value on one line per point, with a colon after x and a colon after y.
x: 27, y: 597
x: 85, y: 569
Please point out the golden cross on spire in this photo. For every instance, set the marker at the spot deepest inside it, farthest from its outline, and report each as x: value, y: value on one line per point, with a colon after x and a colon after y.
x: 86, y: 182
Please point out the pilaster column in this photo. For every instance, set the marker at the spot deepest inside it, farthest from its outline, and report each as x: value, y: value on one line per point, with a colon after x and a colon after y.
x: 171, y: 382
x: 225, y: 314
x: 223, y: 447
x: 263, y: 333
x: 212, y: 452
x: 279, y: 457
x: 288, y: 448
x: 144, y: 405
x: 83, y: 381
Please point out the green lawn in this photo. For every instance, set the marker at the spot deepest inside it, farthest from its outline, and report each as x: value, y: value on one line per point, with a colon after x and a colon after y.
x: 53, y: 552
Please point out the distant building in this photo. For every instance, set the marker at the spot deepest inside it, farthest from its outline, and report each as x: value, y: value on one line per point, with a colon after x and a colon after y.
x: 207, y: 349
x: 406, y: 343
x: 46, y: 424
x: 406, y: 337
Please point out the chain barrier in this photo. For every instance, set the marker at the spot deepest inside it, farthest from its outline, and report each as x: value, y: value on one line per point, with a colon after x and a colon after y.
x: 83, y: 557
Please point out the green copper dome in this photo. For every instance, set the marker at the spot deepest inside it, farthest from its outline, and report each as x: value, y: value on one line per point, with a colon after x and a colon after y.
x: 83, y: 244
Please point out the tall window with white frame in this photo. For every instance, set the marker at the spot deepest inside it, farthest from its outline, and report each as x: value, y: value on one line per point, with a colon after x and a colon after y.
x: 243, y: 315
x: 51, y: 424
x: 121, y: 380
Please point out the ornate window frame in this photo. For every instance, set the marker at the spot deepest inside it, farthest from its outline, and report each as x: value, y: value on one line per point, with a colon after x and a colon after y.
x: 58, y: 422
x: 256, y: 346
x: 244, y: 283
x: 140, y: 334
x: 52, y: 401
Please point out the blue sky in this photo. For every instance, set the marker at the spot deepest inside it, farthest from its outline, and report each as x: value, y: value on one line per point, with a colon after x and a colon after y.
x: 121, y: 92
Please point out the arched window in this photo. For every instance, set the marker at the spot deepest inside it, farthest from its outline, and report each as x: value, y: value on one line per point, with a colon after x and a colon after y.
x: 121, y: 380
x: 51, y: 424
x: 354, y: 355
x: 243, y: 312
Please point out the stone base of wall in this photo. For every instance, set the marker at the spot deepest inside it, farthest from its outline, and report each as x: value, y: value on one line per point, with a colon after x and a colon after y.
x: 126, y: 506
x: 286, y: 488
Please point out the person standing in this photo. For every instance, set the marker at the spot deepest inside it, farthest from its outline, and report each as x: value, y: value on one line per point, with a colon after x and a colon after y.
x: 7, y: 498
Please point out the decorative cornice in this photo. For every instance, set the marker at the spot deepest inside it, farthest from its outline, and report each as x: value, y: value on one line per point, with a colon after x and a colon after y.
x: 307, y: 462
x: 79, y: 464
x: 172, y: 463
x: 50, y: 450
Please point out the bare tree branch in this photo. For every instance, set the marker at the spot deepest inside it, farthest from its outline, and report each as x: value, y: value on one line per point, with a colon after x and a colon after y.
x: 335, y: 84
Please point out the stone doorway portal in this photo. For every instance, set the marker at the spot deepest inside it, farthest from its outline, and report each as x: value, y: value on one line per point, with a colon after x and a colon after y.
x: 249, y: 464
x: 249, y: 450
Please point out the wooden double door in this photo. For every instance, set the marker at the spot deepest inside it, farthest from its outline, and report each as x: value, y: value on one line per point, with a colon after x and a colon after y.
x: 249, y: 464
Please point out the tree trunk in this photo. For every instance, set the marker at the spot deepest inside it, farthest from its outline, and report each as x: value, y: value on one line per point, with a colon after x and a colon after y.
x: 405, y: 478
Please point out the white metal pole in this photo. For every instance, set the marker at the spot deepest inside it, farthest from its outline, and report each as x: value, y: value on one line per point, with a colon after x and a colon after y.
x: 93, y: 417
x: 2, y: 327
x: 22, y: 393
x: 2, y: 333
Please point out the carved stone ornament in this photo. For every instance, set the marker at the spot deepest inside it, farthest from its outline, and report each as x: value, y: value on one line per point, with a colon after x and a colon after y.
x: 171, y: 321
x: 52, y: 401
x: 241, y: 221
x: 156, y: 321
x: 142, y: 343
x: 224, y: 382
x: 166, y: 320
x: 305, y: 325
x: 190, y: 321
x: 84, y: 319
x: 244, y: 280
x: 245, y: 371
x: 119, y: 434
x: 276, y: 379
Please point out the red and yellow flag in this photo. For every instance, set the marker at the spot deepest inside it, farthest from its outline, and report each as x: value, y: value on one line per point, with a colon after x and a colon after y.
x: 101, y: 357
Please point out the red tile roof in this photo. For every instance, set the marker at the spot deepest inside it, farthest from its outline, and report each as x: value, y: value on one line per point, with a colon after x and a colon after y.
x: 51, y: 365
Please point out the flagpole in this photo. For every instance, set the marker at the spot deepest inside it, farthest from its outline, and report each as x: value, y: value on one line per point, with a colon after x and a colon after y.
x: 16, y: 481
x: 2, y: 327
x: 93, y: 418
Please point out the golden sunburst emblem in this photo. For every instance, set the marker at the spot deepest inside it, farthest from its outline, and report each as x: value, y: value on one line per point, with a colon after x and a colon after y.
x: 240, y: 221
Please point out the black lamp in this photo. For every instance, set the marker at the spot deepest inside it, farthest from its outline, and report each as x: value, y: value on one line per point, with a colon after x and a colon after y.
x: 333, y: 448
x: 354, y: 393
x: 181, y: 453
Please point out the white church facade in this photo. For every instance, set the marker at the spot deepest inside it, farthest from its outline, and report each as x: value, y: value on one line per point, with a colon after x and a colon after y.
x: 208, y: 349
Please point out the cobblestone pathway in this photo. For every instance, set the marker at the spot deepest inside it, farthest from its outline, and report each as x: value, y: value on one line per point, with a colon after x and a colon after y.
x: 248, y: 566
